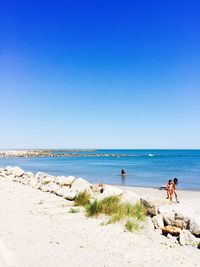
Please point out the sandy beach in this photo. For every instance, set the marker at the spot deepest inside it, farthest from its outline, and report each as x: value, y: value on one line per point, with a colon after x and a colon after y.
x: 37, y: 230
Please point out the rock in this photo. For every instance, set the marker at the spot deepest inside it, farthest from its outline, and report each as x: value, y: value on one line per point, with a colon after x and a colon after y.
x: 179, y: 216
x: 42, y: 175
x: 108, y: 191
x: 81, y: 185
x: 158, y: 221
x: 3, y: 174
x: 29, y: 174
x: 168, y: 218
x: 150, y: 206
x: 179, y: 223
x: 33, y: 182
x: 24, y: 180
x: 186, y: 238
x: 174, y: 231
x: 167, y: 209
x: 65, y: 180
x: 198, y: 246
x: 69, y: 194
x: 148, y: 226
x: 52, y: 187
x: 47, y: 179
x: 16, y: 171
x: 8, y: 170
x: 59, y: 192
x: 130, y: 197
x: 194, y: 226
x: 66, y: 193
x: 46, y: 187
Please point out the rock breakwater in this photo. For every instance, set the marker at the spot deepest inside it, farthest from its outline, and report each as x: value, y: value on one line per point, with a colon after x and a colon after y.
x: 52, y: 153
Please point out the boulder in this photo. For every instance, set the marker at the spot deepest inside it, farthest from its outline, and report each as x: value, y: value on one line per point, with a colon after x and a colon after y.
x: 194, y: 226
x: 17, y: 179
x: 69, y: 194
x: 81, y: 185
x: 148, y: 226
x: 42, y: 175
x: 29, y: 174
x: 47, y: 179
x: 50, y: 187
x: 65, y: 180
x: 172, y: 230
x: 108, y: 191
x: 66, y: 193
x: 59, y: 192
x: 33, y: 182
x: 25, y: 180
x: 130, y: 197
x: 3, y: 174
x: 158, y: 221
x: 17, y: 171
x: 168, y: 218
x: 179, y: 223
x: 46, y: 187
x: 186, y: 238
x: 150, y: 206
x: 8, y: 170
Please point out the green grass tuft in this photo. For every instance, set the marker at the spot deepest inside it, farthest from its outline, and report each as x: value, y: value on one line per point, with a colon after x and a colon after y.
x: 93, y: 209
x: 132, y: 225
x: 82, y: 199
x: 73, y: 210
x: 107, y: 206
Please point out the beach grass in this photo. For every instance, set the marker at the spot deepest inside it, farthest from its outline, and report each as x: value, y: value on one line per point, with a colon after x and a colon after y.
x: 74, y: 210
x: 82, y: 199
x: 132, y: 225
x: 131, y: 215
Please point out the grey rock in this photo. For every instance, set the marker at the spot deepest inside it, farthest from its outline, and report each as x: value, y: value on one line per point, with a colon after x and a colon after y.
x: 17, y: 171
x: 158, y: 221
x: 186, y: 238
x: 150, y: 206
x: 81, y: 185
x: 130, y: 197
x: 65, y: 180
x: 194, y: 226
x: 42, y: 175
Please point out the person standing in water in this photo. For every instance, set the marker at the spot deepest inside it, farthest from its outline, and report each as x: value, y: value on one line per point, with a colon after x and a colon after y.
x: 123, y: 172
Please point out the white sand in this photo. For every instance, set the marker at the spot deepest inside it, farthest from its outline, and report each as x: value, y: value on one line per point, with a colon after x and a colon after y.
x: 36, y: 230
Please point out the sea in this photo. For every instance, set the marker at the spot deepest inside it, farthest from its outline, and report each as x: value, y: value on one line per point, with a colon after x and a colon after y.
x: 146, y: 168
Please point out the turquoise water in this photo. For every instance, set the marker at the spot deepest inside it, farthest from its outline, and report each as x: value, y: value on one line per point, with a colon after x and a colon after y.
x: 149, y: 168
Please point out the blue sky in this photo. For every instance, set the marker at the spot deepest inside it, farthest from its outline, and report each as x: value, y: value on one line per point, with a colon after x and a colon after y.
x: 100, y: 74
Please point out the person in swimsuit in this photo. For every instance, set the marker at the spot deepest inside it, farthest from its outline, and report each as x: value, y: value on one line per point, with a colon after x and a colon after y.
x: 170, y: 189
x: 123, y: 172
x: 175, y: 183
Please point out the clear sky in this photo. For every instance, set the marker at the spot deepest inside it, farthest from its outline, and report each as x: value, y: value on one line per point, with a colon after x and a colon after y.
x: 100, y: 74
